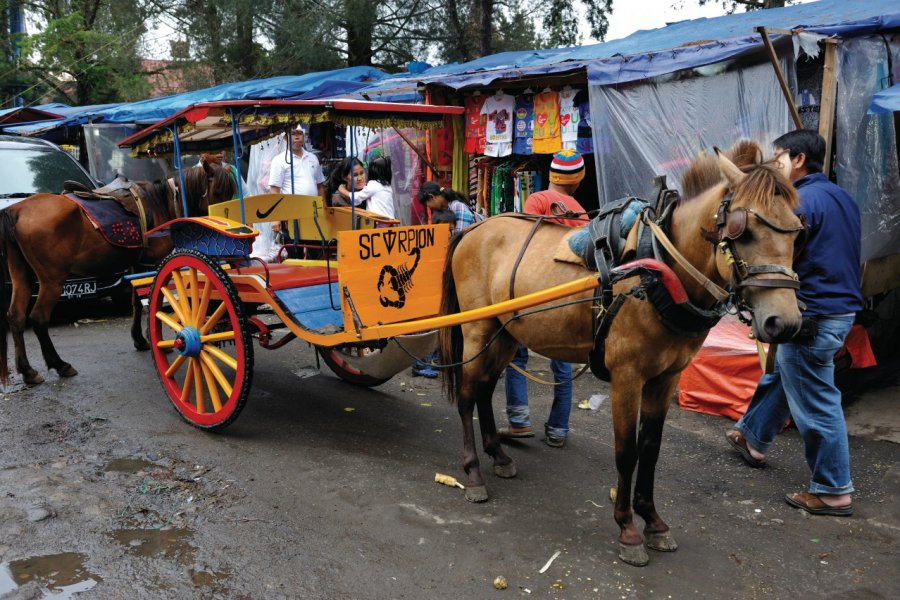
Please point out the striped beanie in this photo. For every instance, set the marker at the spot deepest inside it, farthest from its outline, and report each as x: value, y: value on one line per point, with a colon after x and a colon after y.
x: 567, y: 168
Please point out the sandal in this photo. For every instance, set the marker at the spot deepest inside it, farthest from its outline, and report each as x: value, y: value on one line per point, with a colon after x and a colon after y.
x: 738, y: 442
x: 813, y: 504
x: 516, y: 432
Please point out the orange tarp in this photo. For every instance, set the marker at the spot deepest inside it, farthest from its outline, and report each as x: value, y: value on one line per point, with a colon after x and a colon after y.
x: 723, y: 375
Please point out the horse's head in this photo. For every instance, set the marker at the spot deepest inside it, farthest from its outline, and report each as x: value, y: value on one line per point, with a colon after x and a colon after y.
x: 755, y: 229
x: 207, y: 184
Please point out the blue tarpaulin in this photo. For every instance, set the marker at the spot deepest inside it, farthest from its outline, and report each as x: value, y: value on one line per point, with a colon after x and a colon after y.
x: 886, y: 101
x: 156, y: 109
x: 647, y: 53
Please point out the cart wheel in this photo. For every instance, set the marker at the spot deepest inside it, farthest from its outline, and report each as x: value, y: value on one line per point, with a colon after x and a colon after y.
x: 200, y: 340
x: 333, y: 357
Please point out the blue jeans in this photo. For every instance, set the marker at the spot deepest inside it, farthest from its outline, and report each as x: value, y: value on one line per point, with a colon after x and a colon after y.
x: 802, y: 387
x: 517, y: 413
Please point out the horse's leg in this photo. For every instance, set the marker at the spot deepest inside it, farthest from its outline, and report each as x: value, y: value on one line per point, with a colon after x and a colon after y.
x: 654, y: 406
x: 479, y: 378
x: 20, y: 275
x: 49, y: 292
x: 626, y: 399
x: 137, y: 311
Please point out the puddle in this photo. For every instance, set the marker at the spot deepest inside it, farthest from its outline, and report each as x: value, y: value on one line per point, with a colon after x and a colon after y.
x: 168, y: 543
x: 58, y: 575
x: 127, y: 465
x: 213, y: 580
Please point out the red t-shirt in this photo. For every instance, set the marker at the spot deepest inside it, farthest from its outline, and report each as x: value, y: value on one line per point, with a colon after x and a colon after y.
x: 541, y: 203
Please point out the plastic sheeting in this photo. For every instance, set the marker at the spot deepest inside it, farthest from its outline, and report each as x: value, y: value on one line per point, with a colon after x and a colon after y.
x: 866, y: 144
x: 886, y: 101
x: 657, y: 127
x: 106, y: 159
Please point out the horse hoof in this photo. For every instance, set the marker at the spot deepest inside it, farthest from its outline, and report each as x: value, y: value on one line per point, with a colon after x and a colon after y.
x: 67, y: 371
x: 662, y: 542
x: 476, y: 493
x: 141, y: 346
x: 506, y: 471
x: 32, y: 379
x: 635, y: 555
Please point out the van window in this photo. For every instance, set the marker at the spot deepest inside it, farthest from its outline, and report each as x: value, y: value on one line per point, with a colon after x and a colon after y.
x: 24, y: 172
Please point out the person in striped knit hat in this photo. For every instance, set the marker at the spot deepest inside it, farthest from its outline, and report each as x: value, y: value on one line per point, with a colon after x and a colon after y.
x: 566, y: 173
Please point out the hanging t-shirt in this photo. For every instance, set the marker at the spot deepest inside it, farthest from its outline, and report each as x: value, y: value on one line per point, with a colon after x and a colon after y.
x: 546, y: 123
x: 568, y: 118
x: 585, y: 143
x: 475, y: 127
x: 523, y: 125
x: 498, y: 114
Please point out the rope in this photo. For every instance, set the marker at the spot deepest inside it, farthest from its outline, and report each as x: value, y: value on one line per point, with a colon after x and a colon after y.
x: 528, y: 375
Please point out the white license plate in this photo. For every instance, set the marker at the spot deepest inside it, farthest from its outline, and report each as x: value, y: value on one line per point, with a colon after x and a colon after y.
x: 77, y: 290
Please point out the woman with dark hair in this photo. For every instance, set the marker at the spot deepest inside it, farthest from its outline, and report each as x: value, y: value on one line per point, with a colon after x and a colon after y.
x: 377, y: 191
x: 436, y: 197
x: 350, y: 170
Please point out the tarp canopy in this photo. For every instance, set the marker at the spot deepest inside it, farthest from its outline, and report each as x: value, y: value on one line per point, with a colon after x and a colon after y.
x: 208, y: 126
x: 886, y: 101
x: 647, y: 53
x: 154, y: 109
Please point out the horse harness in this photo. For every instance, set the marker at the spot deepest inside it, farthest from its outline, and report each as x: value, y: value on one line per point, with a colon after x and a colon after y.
x: 611, y: 241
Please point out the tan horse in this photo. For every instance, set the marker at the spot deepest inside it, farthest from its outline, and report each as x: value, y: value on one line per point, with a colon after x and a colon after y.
x: 47, y: 238
x: 642, y: 355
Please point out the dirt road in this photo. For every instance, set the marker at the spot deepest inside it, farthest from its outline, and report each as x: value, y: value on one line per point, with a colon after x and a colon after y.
x: 324, y: 490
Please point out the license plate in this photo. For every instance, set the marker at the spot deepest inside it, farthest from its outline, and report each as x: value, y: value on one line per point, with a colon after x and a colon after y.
x: 77, y: 290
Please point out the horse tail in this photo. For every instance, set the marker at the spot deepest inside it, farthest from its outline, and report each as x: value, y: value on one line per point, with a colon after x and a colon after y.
x: 450, y: 338
x: 7, y: 237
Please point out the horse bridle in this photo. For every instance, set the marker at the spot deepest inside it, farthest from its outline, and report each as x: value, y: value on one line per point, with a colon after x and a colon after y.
x: 730, y: 225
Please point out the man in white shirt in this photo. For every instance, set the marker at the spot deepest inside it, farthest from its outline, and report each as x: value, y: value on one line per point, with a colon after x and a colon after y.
x: 308, y: 178
x: 307, y: 172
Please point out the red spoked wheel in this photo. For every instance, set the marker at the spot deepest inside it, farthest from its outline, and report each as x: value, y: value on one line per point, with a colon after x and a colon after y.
x: 334, y: 358
x: 200, y: 340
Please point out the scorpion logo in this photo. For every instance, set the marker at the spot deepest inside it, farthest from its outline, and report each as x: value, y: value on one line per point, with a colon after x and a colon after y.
x: 398, y: 281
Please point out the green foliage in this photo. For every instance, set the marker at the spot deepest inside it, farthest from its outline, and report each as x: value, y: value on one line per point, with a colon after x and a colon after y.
x: 731, y: 5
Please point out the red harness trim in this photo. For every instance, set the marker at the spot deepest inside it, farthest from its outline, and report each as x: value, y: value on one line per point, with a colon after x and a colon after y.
x: 666, y: 276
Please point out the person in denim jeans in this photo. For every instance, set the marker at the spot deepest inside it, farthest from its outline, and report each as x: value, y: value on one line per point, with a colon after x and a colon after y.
x: 557, y: 426
x: 566, y: 173
x: 802, y: 384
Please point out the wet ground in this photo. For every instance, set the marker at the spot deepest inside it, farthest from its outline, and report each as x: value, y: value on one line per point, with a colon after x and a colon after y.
x: 325, y: 490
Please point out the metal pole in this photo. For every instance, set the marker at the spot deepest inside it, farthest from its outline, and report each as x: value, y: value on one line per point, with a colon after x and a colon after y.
x: 178, y: 165
x: 235, y: 137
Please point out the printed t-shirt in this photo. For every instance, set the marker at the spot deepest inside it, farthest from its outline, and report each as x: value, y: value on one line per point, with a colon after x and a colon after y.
x: 546, y: 123
x: 523, y: 125
x: 542, y: 203
x: 497, y: 112
x: 475, y: 126
x: 568, y: 118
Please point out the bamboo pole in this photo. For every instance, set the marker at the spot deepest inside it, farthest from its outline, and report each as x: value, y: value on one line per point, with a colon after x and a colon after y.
x: 829, y: 100
x: 773, y: 58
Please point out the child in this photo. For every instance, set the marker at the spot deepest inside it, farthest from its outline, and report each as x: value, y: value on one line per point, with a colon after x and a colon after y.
x: 377, y: 191
x: 350, y: 169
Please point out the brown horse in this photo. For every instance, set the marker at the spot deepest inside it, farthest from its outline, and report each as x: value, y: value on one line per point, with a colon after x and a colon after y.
x: 47, y: 238
x: 642, y: 355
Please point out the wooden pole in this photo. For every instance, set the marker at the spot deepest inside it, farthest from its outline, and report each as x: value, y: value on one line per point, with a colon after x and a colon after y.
x: 829, y: 100
x: 773, y: 58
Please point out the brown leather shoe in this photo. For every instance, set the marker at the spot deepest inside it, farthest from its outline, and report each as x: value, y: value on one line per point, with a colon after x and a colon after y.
x: 516, y: 432
x: 738, y: 442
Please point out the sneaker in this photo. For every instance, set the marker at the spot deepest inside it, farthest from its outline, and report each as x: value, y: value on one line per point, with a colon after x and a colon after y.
x: 555, y: 442
x: 427, y: 372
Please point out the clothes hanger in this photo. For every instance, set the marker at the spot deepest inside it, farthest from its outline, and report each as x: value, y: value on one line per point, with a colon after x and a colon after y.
x: 498, y: 93
x: 567, y: 88
x: 528, y: 91
x: 546, y: 89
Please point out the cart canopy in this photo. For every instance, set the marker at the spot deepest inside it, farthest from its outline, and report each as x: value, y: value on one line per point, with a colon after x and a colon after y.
x: 208, y: 126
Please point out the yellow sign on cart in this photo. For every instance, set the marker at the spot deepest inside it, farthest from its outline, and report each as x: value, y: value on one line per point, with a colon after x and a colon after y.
x: 392, y: 274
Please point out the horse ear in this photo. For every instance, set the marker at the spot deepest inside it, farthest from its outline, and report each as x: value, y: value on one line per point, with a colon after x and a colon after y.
x: 729, y: 170
x: 783, y: 164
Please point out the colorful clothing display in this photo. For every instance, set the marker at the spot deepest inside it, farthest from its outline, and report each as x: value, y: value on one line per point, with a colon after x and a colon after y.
x: 475, y: 125
x: 497, y: 112
x: 547, y: 138
x: 523, y: 125
x: 569, y: 118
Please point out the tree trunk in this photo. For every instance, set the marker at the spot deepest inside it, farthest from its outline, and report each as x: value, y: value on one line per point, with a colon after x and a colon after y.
x: 360, y: 20
x: 487, y: 13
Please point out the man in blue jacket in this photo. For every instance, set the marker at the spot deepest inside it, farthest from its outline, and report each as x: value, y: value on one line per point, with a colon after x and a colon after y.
x: 802, y: 383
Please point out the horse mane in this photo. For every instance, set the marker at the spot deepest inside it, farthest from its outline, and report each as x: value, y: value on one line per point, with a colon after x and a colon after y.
x: 156, y: 194
x: 703, y: 172
x: 762, y: 185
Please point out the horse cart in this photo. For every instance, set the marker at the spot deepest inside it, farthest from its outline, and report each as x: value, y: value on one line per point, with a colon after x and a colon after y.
x: 368, y: 302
